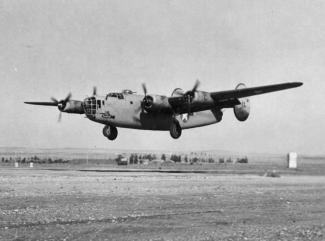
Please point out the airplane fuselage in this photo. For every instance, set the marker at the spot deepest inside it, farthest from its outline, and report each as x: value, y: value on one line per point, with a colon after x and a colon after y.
x: 125, y: 110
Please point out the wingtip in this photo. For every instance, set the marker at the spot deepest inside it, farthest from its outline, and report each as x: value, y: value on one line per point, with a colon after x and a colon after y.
x: 41, y: 103
x: 296, y: 84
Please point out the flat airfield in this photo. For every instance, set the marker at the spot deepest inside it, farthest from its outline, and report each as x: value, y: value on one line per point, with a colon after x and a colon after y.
x: 41, y: 204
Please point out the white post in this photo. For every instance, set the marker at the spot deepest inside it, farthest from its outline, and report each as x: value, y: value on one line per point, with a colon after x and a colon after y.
x: 16, y: 164
x: 31, y: 164
x: 292, y: 160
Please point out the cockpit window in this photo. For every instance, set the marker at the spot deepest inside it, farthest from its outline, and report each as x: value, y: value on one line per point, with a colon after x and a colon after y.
x: 115, y: 95
x: 99, y: 104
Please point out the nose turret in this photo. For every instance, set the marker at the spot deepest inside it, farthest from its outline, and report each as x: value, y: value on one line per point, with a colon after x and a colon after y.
x: 89, y: 106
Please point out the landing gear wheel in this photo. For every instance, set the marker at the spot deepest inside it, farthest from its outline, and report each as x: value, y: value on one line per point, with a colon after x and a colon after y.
x: 110, y: 132
x: 175, y: 129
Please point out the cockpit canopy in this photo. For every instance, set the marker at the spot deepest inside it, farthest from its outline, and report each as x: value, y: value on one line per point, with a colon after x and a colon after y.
x: 115, y: 95
x: 119, y: 95
x: 128, y: 92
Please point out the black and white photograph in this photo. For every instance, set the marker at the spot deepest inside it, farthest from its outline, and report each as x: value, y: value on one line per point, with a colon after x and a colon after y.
x: 162, y: 120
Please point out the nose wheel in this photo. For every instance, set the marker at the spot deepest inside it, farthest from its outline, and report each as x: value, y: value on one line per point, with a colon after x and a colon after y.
x: 175, y: 129
x: 110, y: 132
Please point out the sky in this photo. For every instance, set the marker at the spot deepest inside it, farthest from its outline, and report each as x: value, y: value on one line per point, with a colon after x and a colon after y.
x: 49, y: 48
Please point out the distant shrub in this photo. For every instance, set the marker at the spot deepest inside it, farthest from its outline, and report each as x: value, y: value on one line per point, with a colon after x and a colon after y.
x: 163, y: 157
x: 194, y: 160
x: 242, y: 160
x: 186, y: 159
x: 176, y: 158
x: 134, y: 159
x: 272, y: 174
x: 201, y: 159
x: 229, y: 160
x: 221, y: 160
x: 211, y: 160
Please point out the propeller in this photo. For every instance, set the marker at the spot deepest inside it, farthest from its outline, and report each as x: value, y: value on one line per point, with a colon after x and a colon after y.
x: 196, y: 85
x: 94, y: 90
x: 144, y: 87
x: 189, y: 96
x: 60, y: 104
x: 147, y: 100
x: 191, y: 92
x: 60, y: 117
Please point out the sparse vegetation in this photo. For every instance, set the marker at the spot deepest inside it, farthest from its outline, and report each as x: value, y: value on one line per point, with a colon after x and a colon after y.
x: 163, y: 157
x: 34, y: 159
x: 272, y: 174
x: 211, y: 160
x: 229, y: 160
x: 186, y: 159
x: 134, y: 158
x: 242, y: 160
x: 176, y: 158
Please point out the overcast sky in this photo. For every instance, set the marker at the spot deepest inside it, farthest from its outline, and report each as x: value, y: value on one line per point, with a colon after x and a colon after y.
x: 49, y: 48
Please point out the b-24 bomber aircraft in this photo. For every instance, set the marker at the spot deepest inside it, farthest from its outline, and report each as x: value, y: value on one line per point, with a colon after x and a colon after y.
x: 182, y: 110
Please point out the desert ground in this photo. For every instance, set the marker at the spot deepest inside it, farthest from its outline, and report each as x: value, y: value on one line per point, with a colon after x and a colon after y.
x: 38, y: 204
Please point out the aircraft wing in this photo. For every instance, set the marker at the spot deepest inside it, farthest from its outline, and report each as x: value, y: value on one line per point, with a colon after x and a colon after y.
x: 224, y: 99
x: 42, y: 103
x: 240, y: 93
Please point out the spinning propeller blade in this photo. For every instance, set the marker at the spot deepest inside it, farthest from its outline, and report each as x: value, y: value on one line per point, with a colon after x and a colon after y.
x: 68, y: 97
x: 94, y: 90
x: 60, y: 117
x: 189, y: 95
x: 144, y: 89
x: 147, y: 100
x: 196, y: 85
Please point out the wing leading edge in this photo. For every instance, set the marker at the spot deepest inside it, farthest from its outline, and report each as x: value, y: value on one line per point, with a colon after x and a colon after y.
x: 240, y: 93
x: 224, y: 99
x: 41, y: 103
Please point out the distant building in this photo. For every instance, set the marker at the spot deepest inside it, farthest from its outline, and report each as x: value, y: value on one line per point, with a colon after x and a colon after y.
x: 122, y: 161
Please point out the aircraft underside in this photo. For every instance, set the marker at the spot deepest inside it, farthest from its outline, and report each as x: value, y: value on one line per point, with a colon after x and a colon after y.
x: 158, y: 122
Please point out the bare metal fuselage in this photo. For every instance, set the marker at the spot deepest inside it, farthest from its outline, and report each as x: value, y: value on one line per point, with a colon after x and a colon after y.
x: 182, y: 110
x: 127, y: 112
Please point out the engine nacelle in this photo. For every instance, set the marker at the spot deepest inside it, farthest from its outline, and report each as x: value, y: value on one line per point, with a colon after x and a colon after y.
x: 73, y: 106
x: 178, y: 92
x: 242, y: 110
x: 155, y: 103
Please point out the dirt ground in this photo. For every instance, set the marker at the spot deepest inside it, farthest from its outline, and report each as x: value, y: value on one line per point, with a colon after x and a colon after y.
x: 73, y: 205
